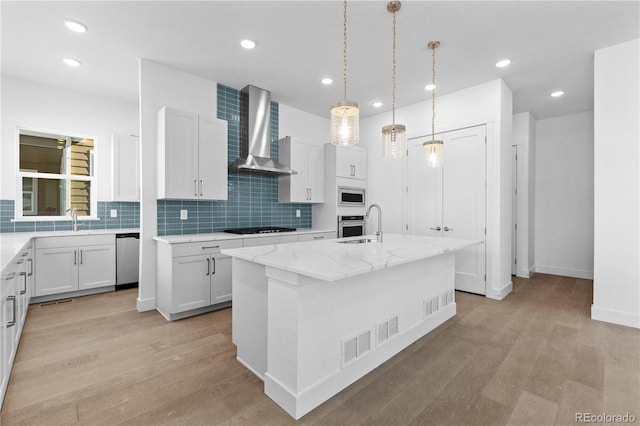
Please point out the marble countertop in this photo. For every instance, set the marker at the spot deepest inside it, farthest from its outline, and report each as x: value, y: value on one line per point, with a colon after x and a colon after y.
x: 192, y: 238
x: 12, y: 243
x: 330, y: 260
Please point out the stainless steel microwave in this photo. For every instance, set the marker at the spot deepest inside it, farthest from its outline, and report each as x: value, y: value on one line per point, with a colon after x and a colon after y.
x: 351, y: 196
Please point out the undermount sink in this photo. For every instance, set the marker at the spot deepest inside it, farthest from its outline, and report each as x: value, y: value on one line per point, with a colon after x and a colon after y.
x: 360, y: 241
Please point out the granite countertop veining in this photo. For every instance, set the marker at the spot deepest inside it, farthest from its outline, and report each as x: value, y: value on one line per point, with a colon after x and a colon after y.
x: 330, y: 260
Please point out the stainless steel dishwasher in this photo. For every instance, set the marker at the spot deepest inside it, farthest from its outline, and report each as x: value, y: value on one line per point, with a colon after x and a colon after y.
x: 127, y: 260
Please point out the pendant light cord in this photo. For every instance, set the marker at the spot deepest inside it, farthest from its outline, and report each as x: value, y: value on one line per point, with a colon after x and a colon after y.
x: 433, y: 94
x: 344, y: 56
x: 393, y: 91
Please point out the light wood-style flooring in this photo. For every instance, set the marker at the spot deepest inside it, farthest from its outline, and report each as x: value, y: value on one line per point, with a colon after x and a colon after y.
x: 534, y: 358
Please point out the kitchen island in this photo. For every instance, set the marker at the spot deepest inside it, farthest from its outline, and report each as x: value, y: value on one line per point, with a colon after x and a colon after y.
x: 311, y: 318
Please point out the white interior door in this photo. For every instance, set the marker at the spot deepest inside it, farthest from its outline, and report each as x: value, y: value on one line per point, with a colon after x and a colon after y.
x: 451, y: 201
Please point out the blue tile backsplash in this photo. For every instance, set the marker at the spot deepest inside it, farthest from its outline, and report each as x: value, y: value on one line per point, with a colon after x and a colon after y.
x: 128, y: 217
x: 252, y: 199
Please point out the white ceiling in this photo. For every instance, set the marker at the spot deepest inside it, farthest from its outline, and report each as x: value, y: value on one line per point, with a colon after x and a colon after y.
x: 550, y: 43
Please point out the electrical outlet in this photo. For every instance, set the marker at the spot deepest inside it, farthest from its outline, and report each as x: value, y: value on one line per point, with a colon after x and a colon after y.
x: 297, y: 212
x: 114, y: 213
x: 184, y: 214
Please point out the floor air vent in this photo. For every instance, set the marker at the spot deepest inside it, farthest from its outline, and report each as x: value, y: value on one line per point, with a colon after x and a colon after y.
x: 387, y: 330
x: 356, y: 347
x: 447, y: 298
x: 431, y: 306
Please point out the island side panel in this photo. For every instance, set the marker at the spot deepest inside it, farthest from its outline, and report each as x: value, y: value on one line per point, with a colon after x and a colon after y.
x: 309, y: 319
x: 249, y: 315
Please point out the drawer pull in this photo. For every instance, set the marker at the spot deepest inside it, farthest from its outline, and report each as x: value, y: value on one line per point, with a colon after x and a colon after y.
x: 210, y: 247
x: 318, y: 238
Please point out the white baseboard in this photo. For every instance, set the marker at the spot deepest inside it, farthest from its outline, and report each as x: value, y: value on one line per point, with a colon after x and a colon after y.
x: 615, y: 317
x: 523, y: 273
x: 144, y: 305
x: 499, y: 294
x: 564, y: 272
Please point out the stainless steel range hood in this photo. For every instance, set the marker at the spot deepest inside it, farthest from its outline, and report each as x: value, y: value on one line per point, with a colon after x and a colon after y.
x: 255, y: 131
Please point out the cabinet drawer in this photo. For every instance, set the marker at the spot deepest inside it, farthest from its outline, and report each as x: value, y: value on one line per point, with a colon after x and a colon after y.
x: 74, y: 241
x: 201, y: 247
x: 316, y: 236
x: 263, y: 241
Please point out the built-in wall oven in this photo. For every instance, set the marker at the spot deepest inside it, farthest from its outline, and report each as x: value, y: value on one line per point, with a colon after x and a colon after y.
x: 349, y: 196
x: 351, y: 226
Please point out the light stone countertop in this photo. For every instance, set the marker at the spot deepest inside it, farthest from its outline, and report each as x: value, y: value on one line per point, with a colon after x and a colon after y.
x: 12, y: 243
x: 330, y: 260
x: 192, y: 238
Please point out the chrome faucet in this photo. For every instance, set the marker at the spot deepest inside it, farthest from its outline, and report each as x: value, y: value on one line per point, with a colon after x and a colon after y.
x: 74, y: 217
x: 379, y: 231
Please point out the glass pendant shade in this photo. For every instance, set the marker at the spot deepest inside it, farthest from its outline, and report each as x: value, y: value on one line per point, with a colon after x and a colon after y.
x: 394, y: 141
x: 433, y: 153
x: 345, y: 123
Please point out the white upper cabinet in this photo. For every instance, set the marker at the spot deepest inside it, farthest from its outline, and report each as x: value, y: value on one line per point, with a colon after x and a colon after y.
x: 307, y: 186
x: 125, y: 163
x: 351, y: 162
x: 192, y: 156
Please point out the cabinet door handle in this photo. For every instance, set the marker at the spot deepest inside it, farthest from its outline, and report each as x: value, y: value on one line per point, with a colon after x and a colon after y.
x: 208, y: 266
x: 81, y: 256
x: 30, y: 266
x: 13, y: 321
x: 24, y: 282
x: 213, y: 259
x: 195, y: 186
x: 437, y: 228
x: 446, y: 228
x: 75, y: 257
x: 310, y: 194
x: 201, y: 187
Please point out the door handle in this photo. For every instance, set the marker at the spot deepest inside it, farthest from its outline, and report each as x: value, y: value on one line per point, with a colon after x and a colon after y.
x: 75, y: 257
x: 446, y: 228
x: 213, y: 259
x: 208, y: 266
x: 201, y: 187
x: 24, y: 275
x: 437, y: 228
x: 13, y: 321
x: 30, y: 266
x: 195, y: 187
x: 310, y: 194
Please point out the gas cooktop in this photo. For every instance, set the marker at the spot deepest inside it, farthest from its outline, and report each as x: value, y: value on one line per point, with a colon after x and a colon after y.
x: 259, y: 230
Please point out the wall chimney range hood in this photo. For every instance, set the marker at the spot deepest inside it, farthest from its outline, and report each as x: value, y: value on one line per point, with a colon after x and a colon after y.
x: 255, y: 132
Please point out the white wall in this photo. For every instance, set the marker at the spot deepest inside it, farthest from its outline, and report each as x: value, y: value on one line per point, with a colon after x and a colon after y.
x: 524, y: 136
x: 161, y: 86
x: 486, y: 103
x: 299, y: 124
x: 564, y: 195
x: 30, y: 104
x: 616, y: 286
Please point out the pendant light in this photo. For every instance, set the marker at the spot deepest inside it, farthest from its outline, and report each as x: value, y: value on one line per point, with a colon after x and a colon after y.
x: 433, y: 148
x: 394, y: 136
x: 345, y: 115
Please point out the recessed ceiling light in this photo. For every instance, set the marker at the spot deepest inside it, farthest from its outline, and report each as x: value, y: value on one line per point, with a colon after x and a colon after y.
x: 429, y: 87
x: 376, y: 104
x: 327, y: 81
x: 503, y: 63
x: 248, y: 44
x: 557, y: 94
x: 75, y: 26
x: 71, y: 62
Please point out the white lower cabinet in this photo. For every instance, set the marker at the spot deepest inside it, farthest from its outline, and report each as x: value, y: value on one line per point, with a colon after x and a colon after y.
x: 74, y: 263
x: 192, y: 277
x: 15, y: 293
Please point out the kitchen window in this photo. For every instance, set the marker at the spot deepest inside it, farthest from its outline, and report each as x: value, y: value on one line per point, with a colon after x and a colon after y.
x: 56, y: 174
